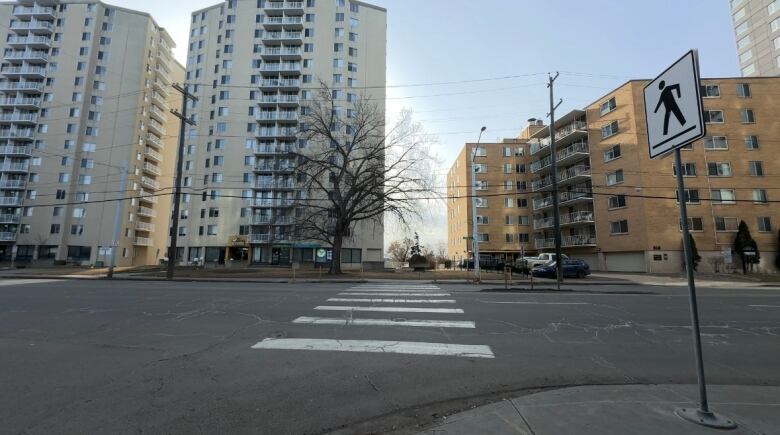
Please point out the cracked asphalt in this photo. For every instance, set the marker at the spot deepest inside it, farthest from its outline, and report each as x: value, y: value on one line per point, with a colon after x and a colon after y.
x: 155, y: 357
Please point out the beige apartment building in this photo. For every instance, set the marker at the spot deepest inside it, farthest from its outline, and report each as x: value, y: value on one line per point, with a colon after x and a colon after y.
x: 757, y: 32
x: 86, y: 89
x: 253, y: 66
x: 618, y: 207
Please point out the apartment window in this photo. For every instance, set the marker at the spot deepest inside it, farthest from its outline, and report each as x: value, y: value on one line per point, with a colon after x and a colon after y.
x: 774, y: 25
x: 522, y: 185
x: 773, y: 7
x: 742, y: 28
x: 726, y: 224
x: 508, y: 167
x: 480, y: 152
x: 481, y: 202
x: 759, y: 196
x: 612, y: 153
x: 747, y: 116
x: 509, y: 202
x: 481, y: 184
x: 618, y: 227
x: 338, y: 47
x: 482, y: 220
x: 751, y: 142
x: 77, y: 230
x: 508, y: 220
x: 507, y: 152
x: 691, y: 196
x: 615, y: 177
x: 719, y: 169
x: 523, y: 238
x: 509, y: 185
x: 339, y: 17
x: 755, y: 169
x: 522, y: 220
x: 211, y: 230
x: 694, y: 224
x: 483, y: 237
x: 723, y: 196
x: 743, y: 90
x: 54, y: 229
x: 610, y: 129
x: 617, y: 201
x: 607, y: 106
x: 60, y: 194
x: 510, y: 238
x: 710, y: 91
x: 746, y: 56
x: 716, y: 143
x: 764, y: 224
x: 689, y: 169
x: 744, y: 42
x: 713, y: 116
x: 480, y: 168
x: 740, y: 14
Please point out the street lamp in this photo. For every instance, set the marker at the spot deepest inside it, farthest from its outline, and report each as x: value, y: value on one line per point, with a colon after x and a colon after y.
x: 474, y: 241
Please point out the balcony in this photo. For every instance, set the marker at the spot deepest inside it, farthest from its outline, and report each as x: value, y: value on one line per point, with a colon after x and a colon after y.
x: 30, y: 41
x: 10, y: 150
x: 157, y: 114
x: 566, y: 156
x: 21, y: 86
x: 13, y: 184
x: 275, y: 8
x: 19, y: 118
x: 260, y: 238
x: 144, y: 226
x: 151, y: 169
x: 280, y: 116
x: 142, y: 241
x: 146, y: 212
x: 22, y: 103
x: 281, y: 67
x: 280, y: 132
x: 9, y: 218
x: 17, y: 134
x: 162, y: 88
x: 153, y: 140
x: 10, y: 201
x: 565, y: 177
x: 163, y: 76
x: 565, y: 198
x: 274, y: 149
x: 261, y: 220
x: 156, y: 127
x: 36, y: 27
x: 147, y: 197
x: 29, y: 12
x: 37, y: 56
x: 279, y: 22
x: 275, y: 184
x: 579, y: 217
x: 159, y: 99
x: 7, y: 236
x: 567, y: 241
x: 280, y: 84
x: 153, y: 155
x: 149, y: 182
x: 35, y: 72
x: 14, y: 167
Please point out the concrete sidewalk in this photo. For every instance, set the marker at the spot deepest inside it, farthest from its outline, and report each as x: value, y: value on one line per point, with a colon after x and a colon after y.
x: 619, y: 410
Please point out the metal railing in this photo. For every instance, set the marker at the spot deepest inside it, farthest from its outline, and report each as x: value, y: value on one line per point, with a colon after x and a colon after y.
x: 9, y: 218
x: 10, y: 200
x: 13, y: 184
x: 142, y: 241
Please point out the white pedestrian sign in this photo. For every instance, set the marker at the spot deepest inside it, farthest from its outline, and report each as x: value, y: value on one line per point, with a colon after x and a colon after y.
x: 673, y: 109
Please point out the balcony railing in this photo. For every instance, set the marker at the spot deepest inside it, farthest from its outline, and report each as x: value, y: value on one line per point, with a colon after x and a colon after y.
x: 144, y: 226
x: 34, y: 10
x: 564, y: 175
x: 566, y: 219
x: 146, y: 181
x: 10, y: 200
x: 567, y: 241
x: 21, y: 86
x: 146, y: 211
x: 154, y: 140
x: 30, y: 25
x: 579, y: 147
x: 9, y: 218
x: 14, y: 167
x: 20, y: 102
x: 147, y: 197
x: 277, y: 132
x: 152, y: 154
x: 157, y: 126
x: 15, y: 150
x: 23, y: 70
x: 13, y: 184
x: 152, y: 169
x: 34, y: 40
x: 7, y: 236
x: 277, y: 116
x: 562, y: 199
x: 142, y: 241
x: 19, y: 117
x: 26, y: 55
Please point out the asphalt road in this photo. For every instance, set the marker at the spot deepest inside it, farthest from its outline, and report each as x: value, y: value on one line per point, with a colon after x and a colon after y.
x: 155, y: 357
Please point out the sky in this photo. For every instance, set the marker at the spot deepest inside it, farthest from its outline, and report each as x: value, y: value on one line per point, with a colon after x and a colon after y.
x: 595, y: 47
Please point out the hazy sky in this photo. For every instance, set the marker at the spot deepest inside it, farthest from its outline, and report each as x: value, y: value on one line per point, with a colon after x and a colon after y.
x: 595, y: 44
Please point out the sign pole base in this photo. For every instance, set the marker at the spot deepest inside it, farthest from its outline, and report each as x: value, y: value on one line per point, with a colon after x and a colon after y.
x: 709, y: 419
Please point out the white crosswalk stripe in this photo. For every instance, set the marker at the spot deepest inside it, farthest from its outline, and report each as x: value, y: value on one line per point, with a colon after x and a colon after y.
x: 378, y: 298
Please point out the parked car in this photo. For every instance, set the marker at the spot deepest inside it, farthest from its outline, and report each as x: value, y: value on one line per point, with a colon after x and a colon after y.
x: 540, y: 260
x: 571, y: 269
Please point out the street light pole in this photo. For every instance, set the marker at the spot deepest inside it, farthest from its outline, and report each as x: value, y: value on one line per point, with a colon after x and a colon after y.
x: 554, y: 169
x: 474, y: 240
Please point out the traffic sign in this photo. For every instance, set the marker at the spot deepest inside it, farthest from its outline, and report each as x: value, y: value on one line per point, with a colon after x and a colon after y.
x: 673, y: 109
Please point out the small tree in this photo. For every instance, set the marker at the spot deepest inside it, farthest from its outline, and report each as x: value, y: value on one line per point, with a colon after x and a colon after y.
x: 695, y: 253
x: 399, y: 250
x: 744, y: 242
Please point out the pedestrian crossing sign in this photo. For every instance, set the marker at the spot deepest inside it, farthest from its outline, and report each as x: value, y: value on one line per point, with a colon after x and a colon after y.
x: 673, y: 107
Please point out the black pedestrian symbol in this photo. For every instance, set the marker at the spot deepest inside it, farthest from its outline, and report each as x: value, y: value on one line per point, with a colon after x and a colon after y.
x: 670, y: 104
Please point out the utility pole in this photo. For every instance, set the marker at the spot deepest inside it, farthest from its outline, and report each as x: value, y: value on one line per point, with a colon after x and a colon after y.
x: 186, y: 96
x: 474, y: 238
x: 117, y: 219
x: 554, y: 167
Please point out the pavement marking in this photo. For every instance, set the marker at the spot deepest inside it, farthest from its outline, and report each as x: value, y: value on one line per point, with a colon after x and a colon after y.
x: 395, y: 301
x: 13, y: 281
x: 409, y: 287
x: 536, y: 303
x: 391, y: 309
x: 377, y: 346
x: 386, y: 322
x: 765, y: 306
x: 391, y: 294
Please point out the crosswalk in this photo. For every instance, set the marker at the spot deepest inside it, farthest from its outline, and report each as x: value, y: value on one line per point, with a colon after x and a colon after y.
x: 386, y: 299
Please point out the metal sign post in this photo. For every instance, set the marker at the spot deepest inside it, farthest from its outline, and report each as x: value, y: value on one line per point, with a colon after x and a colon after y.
x: 673, y: 111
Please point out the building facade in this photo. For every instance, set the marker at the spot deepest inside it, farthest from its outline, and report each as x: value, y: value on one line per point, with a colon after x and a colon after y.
x: 85, y: 91
x: 618, y: 207
x: 253, y: 67
x: 757, y: 32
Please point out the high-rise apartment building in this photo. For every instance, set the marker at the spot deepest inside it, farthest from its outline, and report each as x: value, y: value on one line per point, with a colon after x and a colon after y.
x: 85, y: 90
x: 618, y: 208
x: 254, y: 65
x: 757, y: 31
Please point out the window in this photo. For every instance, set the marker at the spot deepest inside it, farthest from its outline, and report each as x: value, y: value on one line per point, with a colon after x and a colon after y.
x: 617, y: 201
x: 774, y: 25
x: 481, y: 184
x: 54, y: 229
x: 351, y: 256
x: 510, y: 238
x: 619, y: 227
x: 751, y: 142
x: 480, y: 168
x: 764, y: 224
x: 77, y: 230
x: 523, y: 220
x: 523, y: 238
x: 773, y: 7
x: 742, y: 28
x: 508, y: 220
x: 744, y: 42
x: 749, y: 70
x: 481, y: 202
x: 614, y: 178
x: 723, y: 196
x: 713, y: 116
x: 339, y: 17
x: 755, y: 169
x: 610, y: 129
x: 480, y: 152
x: 719, y: 169
x: 211, y: 230
x: 509, y: 202
x: 607, y: 106
x: 740, y: 14
x: 483, y: 237
x: 716, y: 143
x: 694, y: 224
x: 612, y: 153
x: 759, y: 196
x: 746, y: 56
x: 689, y: 169
x: 509, y: 185
x: 710, y: 91
x: 747, y: 116
x: 691, y: 196
x: 726, y: 224
x: 482, y: 220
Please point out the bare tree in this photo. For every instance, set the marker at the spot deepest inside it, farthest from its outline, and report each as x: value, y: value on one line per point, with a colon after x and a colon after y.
x: 399, y: 250
x: 355, y: 169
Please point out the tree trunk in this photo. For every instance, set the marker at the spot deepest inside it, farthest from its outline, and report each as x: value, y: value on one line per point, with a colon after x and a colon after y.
x: 744, y: 264
x: 335, y: 265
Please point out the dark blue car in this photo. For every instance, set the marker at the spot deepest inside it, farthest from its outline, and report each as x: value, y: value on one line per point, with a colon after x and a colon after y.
x: 571, y: 269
